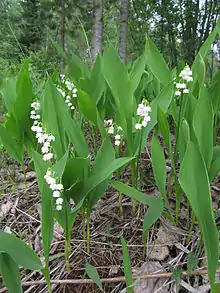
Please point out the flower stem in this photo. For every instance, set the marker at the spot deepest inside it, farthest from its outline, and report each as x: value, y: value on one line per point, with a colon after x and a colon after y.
x: 120, y: 195
x: 88, y: 232
x: 133, y: 183
x: 93, y: 138
x: 83, y: 227
x: 67, y: 252
x: 191, y: 228
x: 67, y: 239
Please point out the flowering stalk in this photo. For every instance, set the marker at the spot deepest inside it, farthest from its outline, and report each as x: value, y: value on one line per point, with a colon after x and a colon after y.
x: 185, y: 77
x: 117, y: 131
x: 143, y: 118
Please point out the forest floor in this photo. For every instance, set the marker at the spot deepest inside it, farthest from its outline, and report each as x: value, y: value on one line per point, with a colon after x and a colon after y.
x: 167, y: 245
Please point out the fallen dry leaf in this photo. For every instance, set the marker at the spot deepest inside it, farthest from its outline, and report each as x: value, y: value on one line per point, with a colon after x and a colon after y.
x: 150, y: 285
x: 5, y: 208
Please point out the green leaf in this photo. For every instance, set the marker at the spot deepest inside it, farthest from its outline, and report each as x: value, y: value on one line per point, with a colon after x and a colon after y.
x: 200, y: 70
x: 215, y: 164
x: 155, y: 204
x: 127, y: 267
x: 8, y: 92
x: 47, y: 204
x: 105, y: 173
x: 163, y: 100
x: 164, y: 127
x: 203, y: 126
x: 120, y: 85
x: 87, y: 106
x: 97, y: 83
x: 60, y: 165
x: 10, y: 273
x: 12, y: 146
x: 159, y: 165
x: 184, y: 136
x: 215, y: 288
x: 195, y: 183
x: 52, y: 119
x: 104, y: 157
x: 93, y: 275
x: 156, y: 63
x: 22, y: 105
x: 19, y: 251
x: 137, y: 71
x: 207, y: 45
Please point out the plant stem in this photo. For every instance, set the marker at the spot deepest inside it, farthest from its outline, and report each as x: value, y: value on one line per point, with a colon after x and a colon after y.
x: 93, y: 138
x: 133, y: 183
x: 191, y: 228
x: 83, y: 227
x: 25, y: 181
x: 88, y: 232
x: 144, y: 237
x: 120, y: 195
x: 67, y: 239
x: 67, y: 252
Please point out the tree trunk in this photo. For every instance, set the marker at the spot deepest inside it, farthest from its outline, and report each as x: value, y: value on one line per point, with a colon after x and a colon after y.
x: 123, y: 30
x: 97, y: 28
x: 62, y: 33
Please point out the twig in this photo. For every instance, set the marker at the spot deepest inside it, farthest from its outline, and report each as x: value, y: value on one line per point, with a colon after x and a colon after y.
x: 198, y: 272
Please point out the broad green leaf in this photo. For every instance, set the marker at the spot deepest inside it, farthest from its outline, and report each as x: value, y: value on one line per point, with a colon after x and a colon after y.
x: 24, y: 98
x: 184, y: 136
x: 127, y: 266
x: 96, y: 194
x: 156, y: 63
x: 97, y: 81
x: 8, y: 92
x: 155, y: 204
x: 203, y: 126
x: 214, y: 94
x: 12, y: 146
x: 93, y: 275
x: 164, y: 127
x: 10, y: 273
x: 159, y: 165
x: 120, y: 85
x: 215, y: 164
x: 75, y: 177
x: 19, y: 251
x: 199, y: 71
x: 104, y: 157
x: 207, y: 45
x: 52, y: 120
x: 60, y: 165
x: 163, y: 100
x: 87, y: 106
x: 47, y: 204
x: 105, y: 173
x: 215, y: 288
x: 137, y: 71
x: 195, y: 183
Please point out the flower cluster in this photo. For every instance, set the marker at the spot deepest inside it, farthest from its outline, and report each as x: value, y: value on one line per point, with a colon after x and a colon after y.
x: 186, y: 76
x: 42, y: 137
x: 143, y: 113
x: 57, y: 188
x: 113, y: 129
x: 68, y: 91
x: 45, y: 139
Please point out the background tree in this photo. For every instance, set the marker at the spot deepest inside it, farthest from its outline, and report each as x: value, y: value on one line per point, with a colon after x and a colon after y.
x: 123, y: 29
x: 97, y: 28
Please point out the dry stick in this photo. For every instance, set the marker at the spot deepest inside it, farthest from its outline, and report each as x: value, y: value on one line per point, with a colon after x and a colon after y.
x: 111, y: 280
